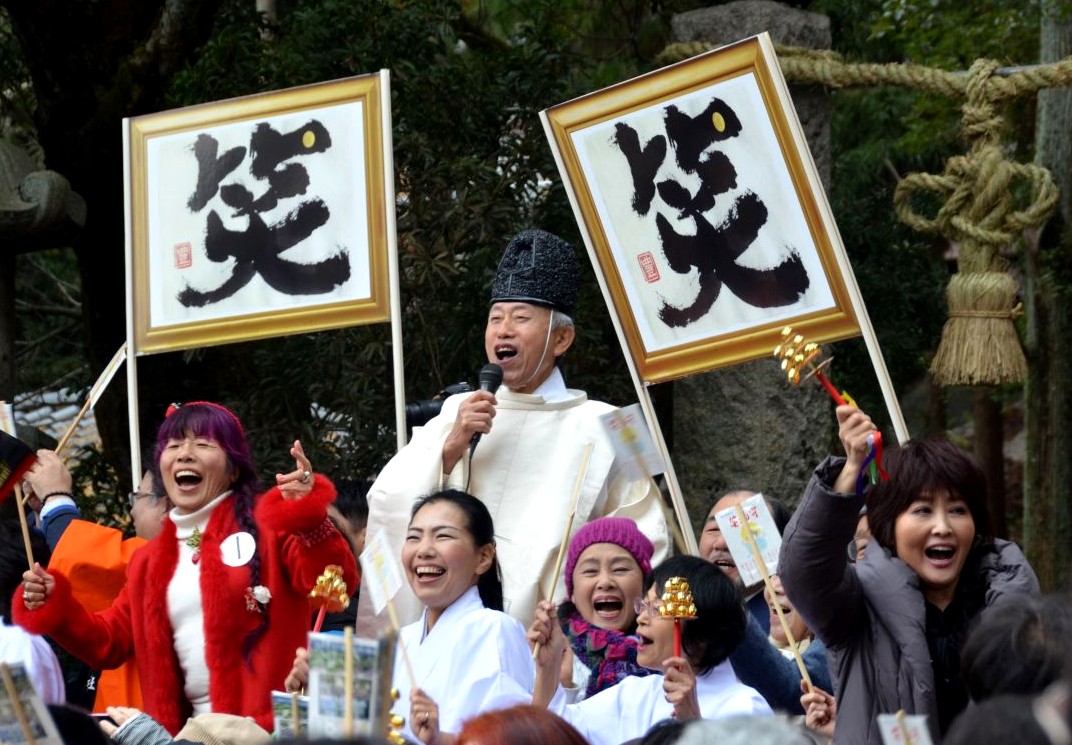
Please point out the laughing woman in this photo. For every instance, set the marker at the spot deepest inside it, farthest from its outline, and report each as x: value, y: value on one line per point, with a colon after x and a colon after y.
x: 607, y: 562
x: 215, y: 604
x: 894, y: 621
x: 699, y: 683
x: 468, y: 656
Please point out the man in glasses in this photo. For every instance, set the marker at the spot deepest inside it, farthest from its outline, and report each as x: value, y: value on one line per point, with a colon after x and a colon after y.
x: 148, y: 508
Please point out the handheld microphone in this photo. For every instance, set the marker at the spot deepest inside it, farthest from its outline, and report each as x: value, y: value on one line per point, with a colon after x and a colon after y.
x: 490, y: 378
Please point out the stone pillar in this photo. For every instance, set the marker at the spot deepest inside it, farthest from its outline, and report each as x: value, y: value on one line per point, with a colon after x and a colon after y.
x: 743, y: 427
x: 38, y: 210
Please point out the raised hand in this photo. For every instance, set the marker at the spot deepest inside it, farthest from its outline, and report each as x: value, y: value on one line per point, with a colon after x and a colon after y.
x: 37, y: 587
x: 679, y: 685
x: 854, y: 427
x: 820, y: 710
x: 298, y: 482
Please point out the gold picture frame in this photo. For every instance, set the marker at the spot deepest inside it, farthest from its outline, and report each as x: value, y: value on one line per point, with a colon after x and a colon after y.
x: 260, y: 216
x: 703, y: 213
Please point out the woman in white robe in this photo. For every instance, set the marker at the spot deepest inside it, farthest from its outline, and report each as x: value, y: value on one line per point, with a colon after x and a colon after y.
x: 699, y: 683
x: 468, y: 656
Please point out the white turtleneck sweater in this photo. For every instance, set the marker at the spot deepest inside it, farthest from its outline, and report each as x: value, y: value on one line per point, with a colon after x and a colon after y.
x: 184, y: 606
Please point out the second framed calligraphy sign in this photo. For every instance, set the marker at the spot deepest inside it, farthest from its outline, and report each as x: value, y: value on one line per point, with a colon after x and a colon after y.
x: 703, y: 212
x: 260, y: 216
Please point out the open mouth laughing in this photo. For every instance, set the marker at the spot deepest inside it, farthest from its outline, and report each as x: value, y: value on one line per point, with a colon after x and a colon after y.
x: 608, y: 607
x: 186, y: 478
x: 428, y: 572
x: 505, y: 352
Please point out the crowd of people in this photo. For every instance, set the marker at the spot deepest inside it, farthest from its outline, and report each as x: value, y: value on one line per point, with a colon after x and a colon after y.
x: 892, y: 597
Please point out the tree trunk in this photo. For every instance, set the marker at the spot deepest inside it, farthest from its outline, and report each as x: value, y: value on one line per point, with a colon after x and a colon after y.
x: 135, y: 49
x: 1048, y: 466
x: 990, y: 452
x: 7, y: 326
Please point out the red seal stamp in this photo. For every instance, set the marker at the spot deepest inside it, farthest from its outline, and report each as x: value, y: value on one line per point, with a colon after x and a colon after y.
x: 647, y: 265
x: 184, y: 255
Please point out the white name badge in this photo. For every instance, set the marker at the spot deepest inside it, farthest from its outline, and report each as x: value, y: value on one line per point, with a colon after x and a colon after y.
x: 238, y: 549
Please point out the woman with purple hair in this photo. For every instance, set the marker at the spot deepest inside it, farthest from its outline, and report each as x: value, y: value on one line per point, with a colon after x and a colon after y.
x: 214, y: 606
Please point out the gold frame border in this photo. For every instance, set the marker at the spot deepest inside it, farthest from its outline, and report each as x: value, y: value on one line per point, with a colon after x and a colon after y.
x: 367, y: 89
x: 754, y: 55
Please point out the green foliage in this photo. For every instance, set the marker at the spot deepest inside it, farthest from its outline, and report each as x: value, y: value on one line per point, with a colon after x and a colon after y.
x: 901, y: 274
x: 472, y: 168
x: 951, y: 34
x: 16, y: 94
x: 49, y: 348
x: 880, y: 135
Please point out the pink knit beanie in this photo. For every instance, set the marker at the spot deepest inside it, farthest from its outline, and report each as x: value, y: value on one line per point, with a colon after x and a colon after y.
x: 621, y: 531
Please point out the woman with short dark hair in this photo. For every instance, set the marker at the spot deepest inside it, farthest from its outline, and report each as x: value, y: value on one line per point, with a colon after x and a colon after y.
x: 895, y: 620
x: 698, y: 683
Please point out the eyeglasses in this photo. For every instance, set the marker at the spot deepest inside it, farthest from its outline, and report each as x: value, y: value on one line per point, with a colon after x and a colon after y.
x: 641, y: 606
x: 134, y: 496
x: 856, y: 548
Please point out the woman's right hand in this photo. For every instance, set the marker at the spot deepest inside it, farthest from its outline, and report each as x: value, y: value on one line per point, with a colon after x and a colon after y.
x: 298, y: 678
x: 820, y: 710
x: 37, y: 587
x: 854, y: 427
x: 546, y: 633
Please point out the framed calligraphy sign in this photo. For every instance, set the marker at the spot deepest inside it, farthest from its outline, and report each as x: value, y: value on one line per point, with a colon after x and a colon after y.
x: 703, y: 212
x: 260, y: 216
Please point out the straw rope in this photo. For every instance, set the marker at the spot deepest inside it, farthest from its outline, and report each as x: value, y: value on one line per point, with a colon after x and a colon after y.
x: 979, y: 209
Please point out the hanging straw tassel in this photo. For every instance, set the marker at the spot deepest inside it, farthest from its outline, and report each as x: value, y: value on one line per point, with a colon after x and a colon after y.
x: 980, y: 344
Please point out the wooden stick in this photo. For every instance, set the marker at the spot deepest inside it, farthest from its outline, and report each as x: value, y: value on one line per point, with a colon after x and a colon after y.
x: 348, y: 672
x: 577, y: 485
x: 74, y: 425
x: 904, y: 727
x: 393, y: 615
x: 95, y: 393
x: 295, y: 719
x: 21, y: 502
x: 16, y: 704
x: 758, y: 558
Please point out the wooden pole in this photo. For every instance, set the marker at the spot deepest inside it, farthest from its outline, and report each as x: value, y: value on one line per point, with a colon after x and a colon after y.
x: 577, y: 485
x: 295, y: 718
x: 16, y: 704
x: 904, y: 727
x: 74, y: 425
x: 348, y: 672
x: 393, y: 615
x: 758, y: 557
x: 20, y: 503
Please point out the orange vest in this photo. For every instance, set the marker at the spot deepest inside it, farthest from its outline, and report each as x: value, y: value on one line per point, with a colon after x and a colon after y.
x: 95, y: 559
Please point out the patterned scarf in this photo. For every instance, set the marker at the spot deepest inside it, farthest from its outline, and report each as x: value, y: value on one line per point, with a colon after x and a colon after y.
x: 609, y: 654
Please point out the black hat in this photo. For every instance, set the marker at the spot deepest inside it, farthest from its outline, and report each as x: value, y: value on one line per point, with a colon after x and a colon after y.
x: 540, y: 268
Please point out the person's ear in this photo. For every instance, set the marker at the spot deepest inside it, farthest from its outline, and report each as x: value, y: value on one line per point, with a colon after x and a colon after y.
x: 485, y: 557
x: 563, y: 339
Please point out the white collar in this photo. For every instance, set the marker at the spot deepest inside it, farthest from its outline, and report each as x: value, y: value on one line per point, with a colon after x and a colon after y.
x: 185, y: 523
x: 553, y: 389
x: 468, y: 600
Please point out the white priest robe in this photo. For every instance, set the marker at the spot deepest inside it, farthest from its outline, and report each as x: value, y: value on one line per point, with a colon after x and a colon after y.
x: 524, y: 470
x: 474, y: 660
x: 630, y: 708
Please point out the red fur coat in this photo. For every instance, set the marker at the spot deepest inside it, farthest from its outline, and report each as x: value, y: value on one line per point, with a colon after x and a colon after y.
x: 296, y: 542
